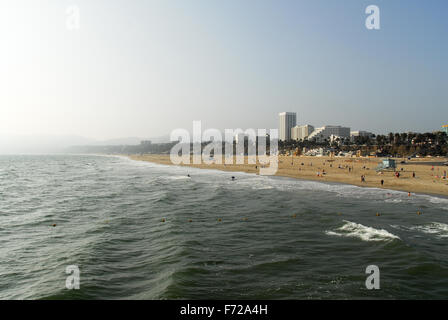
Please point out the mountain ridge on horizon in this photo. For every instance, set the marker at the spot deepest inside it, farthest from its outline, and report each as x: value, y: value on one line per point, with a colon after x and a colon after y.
x: 11, y: 144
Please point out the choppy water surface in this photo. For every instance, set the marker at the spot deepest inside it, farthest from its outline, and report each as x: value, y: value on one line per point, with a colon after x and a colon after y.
x: 278, y: 238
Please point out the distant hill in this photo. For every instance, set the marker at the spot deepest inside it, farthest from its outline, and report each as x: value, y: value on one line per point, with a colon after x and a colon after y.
x: 18, y: 144
x: 118, y: 141
x: 129, y: 141
x: 161, y: 139
x: 22, y: 144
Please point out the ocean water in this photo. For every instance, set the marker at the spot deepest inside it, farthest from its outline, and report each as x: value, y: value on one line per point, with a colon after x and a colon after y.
x: 254, y: 238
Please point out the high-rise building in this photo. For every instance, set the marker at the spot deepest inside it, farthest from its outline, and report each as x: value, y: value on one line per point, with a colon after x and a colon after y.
x: 288, y: 120
x: 301, y: 133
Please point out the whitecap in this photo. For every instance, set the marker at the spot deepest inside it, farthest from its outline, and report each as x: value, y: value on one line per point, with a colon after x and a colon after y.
x: 177, y: 177
x: 357, y: 230
x: 393, y: 200
x: 440, y: 230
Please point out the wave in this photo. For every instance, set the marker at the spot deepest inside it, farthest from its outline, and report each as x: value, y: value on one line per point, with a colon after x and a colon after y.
x: 393, y: 200
x: 257, y: 182
x: 177, y: 178
x: 356, y: 230
x: 440, y: 230
x: 437, y: 200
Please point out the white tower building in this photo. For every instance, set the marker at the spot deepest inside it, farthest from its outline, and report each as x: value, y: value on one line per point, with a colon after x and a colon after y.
x: 288, y: 120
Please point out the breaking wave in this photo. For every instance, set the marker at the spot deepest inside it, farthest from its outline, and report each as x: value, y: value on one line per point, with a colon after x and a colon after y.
x: 356, y: 230
x: 440, y: 230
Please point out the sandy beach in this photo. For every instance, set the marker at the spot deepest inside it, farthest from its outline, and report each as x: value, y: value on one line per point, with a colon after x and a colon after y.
x: 428, y: 178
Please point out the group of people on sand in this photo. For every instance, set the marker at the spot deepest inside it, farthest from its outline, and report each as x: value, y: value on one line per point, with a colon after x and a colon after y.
x: 319, y: 174
x: 350, y: 168
x: 442, y: 176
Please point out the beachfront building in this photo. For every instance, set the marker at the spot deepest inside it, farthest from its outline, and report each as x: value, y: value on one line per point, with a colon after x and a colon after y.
x: 324, y: 133
x: 318, y: 152
x: 355, y: 134
x: 445, y: 128
x: 288, y: 120
x: 300, y: 133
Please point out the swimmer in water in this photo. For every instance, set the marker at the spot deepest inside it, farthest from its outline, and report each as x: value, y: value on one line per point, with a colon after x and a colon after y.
x: 188, y: 175
x: 233, y: 178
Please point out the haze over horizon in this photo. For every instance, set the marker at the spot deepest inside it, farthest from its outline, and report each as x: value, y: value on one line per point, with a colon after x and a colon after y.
x: 143, y: 68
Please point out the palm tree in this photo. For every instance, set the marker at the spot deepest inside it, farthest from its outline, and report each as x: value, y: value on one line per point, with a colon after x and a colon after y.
x: 397, y: 138
x: 380, y: 139
x: 404, y: 137
x: 391, y: 137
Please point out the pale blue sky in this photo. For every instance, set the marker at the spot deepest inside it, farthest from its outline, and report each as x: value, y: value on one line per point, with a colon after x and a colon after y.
x: 143, y: 68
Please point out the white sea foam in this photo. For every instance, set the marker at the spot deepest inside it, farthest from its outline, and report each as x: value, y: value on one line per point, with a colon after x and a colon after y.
x: 256, y: 183
x: 393, y: 200
x: 177, y: 177
x: 436, y: 200
x: 289, y: 184
x: 440, y: 230
x: 356, y: 230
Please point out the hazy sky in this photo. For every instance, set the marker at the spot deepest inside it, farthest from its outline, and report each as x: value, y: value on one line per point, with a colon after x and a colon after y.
x: 143, y: 68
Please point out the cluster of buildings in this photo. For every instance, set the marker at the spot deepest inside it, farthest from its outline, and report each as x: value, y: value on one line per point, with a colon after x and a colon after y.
x: 289, y: 130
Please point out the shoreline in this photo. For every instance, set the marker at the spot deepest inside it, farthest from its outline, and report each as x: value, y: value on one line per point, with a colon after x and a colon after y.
x: 336, y: 171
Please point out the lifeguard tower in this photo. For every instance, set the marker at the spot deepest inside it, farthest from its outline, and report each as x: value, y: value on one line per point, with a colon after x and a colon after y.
x: 387, y: 164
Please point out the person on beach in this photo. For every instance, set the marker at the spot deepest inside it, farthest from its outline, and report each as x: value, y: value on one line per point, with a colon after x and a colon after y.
x: 382, y: 182
x: 413, y: 174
